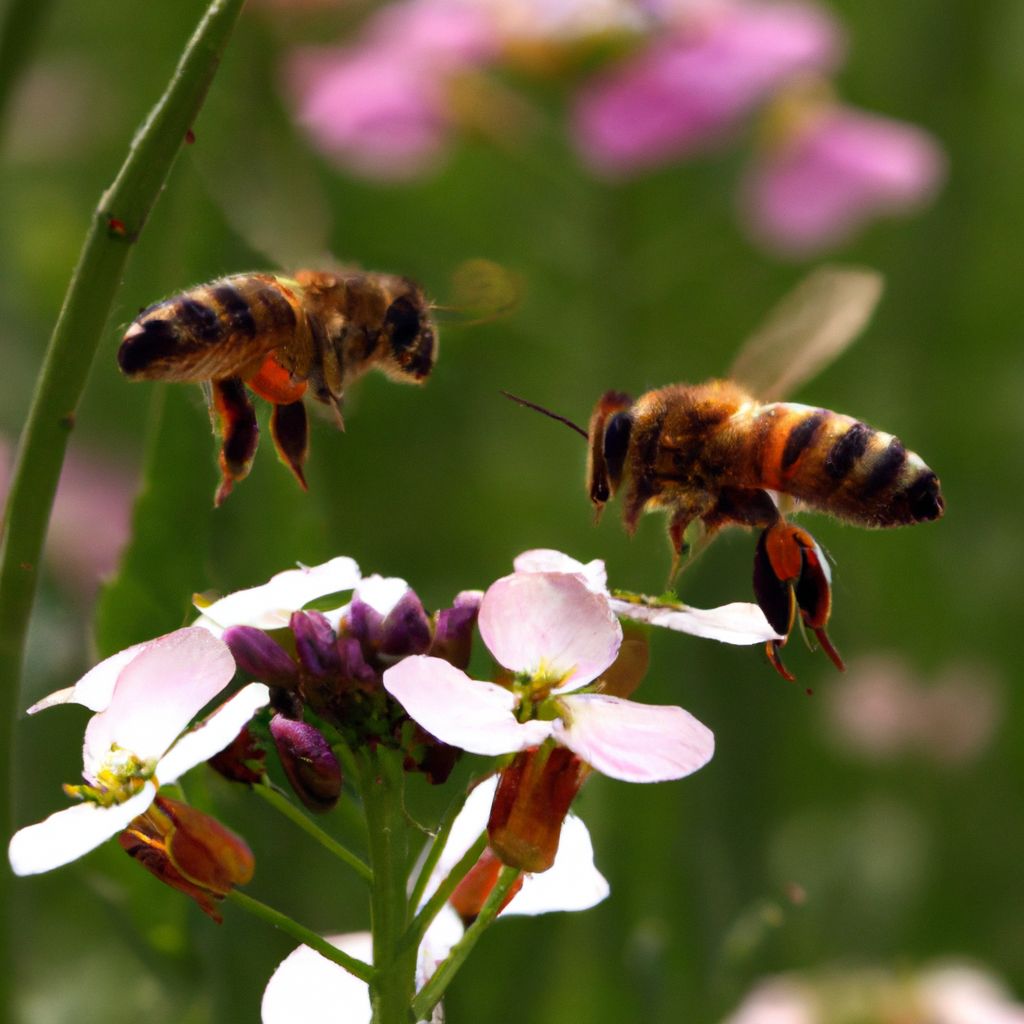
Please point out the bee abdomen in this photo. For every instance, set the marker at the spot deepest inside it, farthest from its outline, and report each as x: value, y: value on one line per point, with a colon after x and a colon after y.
x: 840, y: 465
x: 212, y: 332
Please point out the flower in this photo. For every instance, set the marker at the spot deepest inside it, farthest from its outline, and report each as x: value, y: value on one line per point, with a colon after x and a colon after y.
x: 834, y: 169
x: 687, y: 89
x: 143, y: 698
x: 554, y: 635
x: 307, y: 981
x: 737, y: 623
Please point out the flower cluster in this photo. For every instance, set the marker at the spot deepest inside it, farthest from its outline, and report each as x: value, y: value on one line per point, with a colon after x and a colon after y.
x: 677, y: 79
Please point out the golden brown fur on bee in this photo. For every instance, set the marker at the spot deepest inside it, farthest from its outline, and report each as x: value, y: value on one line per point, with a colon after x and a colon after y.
x: 711, y: 452
x: 279, y: 336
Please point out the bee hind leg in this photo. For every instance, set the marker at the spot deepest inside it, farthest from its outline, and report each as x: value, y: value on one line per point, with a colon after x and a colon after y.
x: 289, y: 427
x: 239, y: 433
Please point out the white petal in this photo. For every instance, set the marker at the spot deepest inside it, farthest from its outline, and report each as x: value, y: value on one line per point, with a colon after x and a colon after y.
x: 737, y: 623
x: 157, y: 694
x: 305, y: 984
x: 634, y: 742
x: 381, y: 593
x: 71, y: 833
x: 474, y: 715
x: 571, y: 883
x: 214, y: 734
x: 961, y: 994
x: 552, y: 624
x: 96, y: 687
x: 549, y: 560
x: 443, y: 932
x: 270, y: 605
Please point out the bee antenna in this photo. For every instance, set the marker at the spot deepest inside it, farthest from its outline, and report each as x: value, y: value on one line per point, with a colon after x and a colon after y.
x: 547, y: 412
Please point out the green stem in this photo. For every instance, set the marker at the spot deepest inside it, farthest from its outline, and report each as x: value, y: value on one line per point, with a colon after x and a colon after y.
x: 363, y: 971
x: 430, y: 995
x: 415, y: 932
x: 382, y: 783
x: 281, y: 803
x: 116, y: 225
x: 440, y: 840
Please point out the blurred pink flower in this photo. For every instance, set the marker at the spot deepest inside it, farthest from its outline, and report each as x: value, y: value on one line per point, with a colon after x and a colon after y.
x: 380, y: 106
x: 837, y: 169
x: 684, y: 92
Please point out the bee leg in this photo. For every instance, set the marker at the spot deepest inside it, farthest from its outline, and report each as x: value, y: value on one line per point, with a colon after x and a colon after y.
x: 289, y: 427
x: 239, y: 432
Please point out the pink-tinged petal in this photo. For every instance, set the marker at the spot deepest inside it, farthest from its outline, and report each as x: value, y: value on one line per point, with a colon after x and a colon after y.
x: 447, y: 34
x: 474, y: 715
x: 96, y: 687
x: 305, y: 983
x: 215, y: 733
x: 633, y: 742
x: 548, y: 560
x: 71, y: 833
x: 962, y: 994
x: 741, y: 622
x: 683, y: 93
x: 783, y: 1000
x: 270, y: 605
x: 550, y: 624
x: 571, y: 883
x: 840, y: 170
x: 157, y: 694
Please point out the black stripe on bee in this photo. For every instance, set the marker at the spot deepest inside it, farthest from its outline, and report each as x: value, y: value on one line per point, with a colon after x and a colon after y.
x: 885, y: 470
x: 281, y: 315
x: 235, y: 309
x: 156, y: 341
x: 801, y: 437
x: 924, y: 498
x: 846, y: 450
x: 198, y: 319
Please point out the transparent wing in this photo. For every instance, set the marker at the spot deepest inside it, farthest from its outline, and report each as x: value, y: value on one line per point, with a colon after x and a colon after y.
x: 480, y: 291
x: 807, y: 330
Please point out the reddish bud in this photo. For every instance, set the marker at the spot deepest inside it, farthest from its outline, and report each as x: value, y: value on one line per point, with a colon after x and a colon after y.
x: 309, y: 763
x: 471, y: 893
x: 242, y: 760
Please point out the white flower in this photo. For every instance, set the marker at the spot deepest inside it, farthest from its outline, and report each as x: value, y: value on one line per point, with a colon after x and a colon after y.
x: 144, y: 697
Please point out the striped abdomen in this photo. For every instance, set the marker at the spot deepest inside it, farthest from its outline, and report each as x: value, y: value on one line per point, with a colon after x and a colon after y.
x: 838, y: 465
x: 216, y: 331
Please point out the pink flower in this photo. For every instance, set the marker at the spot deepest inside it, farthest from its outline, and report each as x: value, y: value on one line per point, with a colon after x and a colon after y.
x: 682, y: 93
x: 556, y: 636
x: 380, y: 107
x: 144, y: 697
x: 837, y: 169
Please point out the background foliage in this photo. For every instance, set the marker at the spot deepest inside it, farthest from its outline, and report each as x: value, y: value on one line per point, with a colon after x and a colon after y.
x: 902, y: 859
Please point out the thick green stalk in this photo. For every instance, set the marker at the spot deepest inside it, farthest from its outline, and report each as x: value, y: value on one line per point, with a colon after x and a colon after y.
x: 116, y: 225
x: 382, y: 785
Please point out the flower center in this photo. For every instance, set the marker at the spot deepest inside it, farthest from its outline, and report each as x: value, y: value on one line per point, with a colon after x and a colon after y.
x: 121, y: 775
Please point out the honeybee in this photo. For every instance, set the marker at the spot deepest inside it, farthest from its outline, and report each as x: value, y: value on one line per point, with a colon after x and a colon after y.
x: 713, y: 454
x: 282, y: 338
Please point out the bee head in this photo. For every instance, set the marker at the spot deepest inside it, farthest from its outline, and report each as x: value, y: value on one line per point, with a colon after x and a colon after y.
x: 410, y: 338
x: 610, y: 426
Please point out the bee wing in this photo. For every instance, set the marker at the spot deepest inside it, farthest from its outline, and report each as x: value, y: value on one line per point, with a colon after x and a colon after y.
x: 480, y: 291
x: 807, y: 329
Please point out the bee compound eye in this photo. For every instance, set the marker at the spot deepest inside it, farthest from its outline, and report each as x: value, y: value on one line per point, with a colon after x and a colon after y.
x: 616, y: 444
x: 403, y: 322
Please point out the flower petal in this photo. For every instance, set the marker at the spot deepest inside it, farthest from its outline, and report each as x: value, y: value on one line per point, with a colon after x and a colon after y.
x: 72, y: 832
x: 741, y: 622
x: 96, y: 687
x: 634, y: 742
x: 467, y: 713
x: 214, y: 734
x: 551, y: 624
x: 571, y: 883
x: 305, y: 982
x: 549, y: 560
x: 157, y: 694
x: 270, y: 605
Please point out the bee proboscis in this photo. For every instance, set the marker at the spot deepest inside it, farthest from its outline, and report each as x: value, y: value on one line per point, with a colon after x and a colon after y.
x: 713, y: 454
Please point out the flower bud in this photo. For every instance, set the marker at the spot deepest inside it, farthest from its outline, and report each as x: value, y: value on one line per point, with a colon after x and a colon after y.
x: 453, y: 631
x: 405, y: 629
x: 242, y: 760
x: 315, y: 643
x: 189, y: 851
x: 259, y: 656
x: 309, y: 763
x: 533, y: 797
x: 471, y: 893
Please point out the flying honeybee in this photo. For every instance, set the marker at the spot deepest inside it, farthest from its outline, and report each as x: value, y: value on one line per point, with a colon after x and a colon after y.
x: 284, y: 337
x: 714, y: 454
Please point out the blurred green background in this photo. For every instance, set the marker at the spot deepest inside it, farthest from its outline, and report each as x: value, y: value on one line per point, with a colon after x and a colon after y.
x: 793, y: 848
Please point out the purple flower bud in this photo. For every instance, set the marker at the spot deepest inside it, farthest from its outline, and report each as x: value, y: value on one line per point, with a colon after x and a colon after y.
x: 406, y: 630
x: 259, y: 656
x: 309, y: 763
x: 354, y: 668
x: 453, y: 634
x: 241, y: 760
x: 364, y: 623
x: 315, y: 643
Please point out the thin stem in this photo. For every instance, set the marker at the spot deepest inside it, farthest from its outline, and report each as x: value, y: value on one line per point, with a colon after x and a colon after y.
x: 415, y: 932
x: 430, y: 995
x: 281, y: 803
x: 363, y: 971
x: 382, y: 784
x: 440, y: 840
